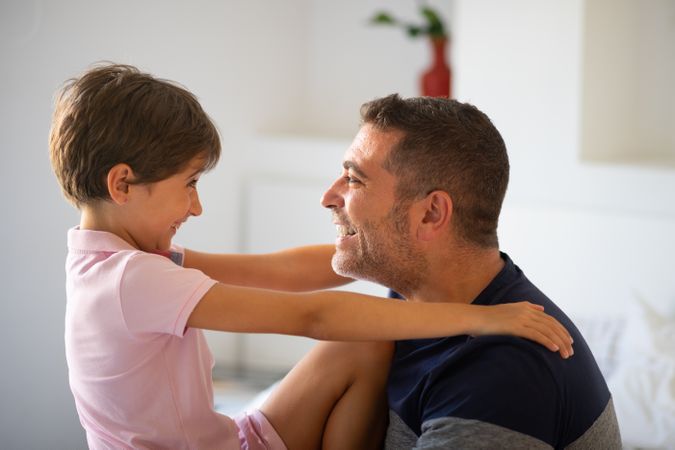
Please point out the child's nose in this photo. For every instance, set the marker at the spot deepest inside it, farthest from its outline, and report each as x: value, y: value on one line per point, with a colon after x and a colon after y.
x: 196, y: 205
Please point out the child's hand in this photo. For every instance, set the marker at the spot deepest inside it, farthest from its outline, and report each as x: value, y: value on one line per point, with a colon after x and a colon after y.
x: 526, y: 320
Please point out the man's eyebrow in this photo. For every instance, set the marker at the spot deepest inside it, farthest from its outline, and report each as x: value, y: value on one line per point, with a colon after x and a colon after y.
x: 350, y: 165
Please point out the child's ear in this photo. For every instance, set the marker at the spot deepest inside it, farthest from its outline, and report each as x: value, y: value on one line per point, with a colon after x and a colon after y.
x: 119, y: 178
x: 437, y: 211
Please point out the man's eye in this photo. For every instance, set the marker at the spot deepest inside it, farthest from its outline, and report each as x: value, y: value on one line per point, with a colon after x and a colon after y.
x: 351, y: 180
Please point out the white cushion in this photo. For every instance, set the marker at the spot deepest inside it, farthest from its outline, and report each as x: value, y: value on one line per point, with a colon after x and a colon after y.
x: 643, y: 384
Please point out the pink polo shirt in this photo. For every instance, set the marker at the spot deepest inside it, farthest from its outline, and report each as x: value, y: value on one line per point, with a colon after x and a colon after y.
x: 140, y: 378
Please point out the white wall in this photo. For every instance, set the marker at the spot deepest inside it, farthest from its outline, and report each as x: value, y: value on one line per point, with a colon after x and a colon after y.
x: 299, y: 67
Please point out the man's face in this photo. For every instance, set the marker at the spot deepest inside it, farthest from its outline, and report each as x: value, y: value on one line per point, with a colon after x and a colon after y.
x: 374, y: 239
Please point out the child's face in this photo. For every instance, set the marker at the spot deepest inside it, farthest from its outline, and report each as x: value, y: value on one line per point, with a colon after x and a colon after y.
x: 160, y: 208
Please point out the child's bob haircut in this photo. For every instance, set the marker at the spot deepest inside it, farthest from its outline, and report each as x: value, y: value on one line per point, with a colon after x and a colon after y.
x: 116, y: 114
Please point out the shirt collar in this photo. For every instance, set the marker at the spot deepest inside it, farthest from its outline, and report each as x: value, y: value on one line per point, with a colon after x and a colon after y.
x: 96, y: 241
x: 505, y: 277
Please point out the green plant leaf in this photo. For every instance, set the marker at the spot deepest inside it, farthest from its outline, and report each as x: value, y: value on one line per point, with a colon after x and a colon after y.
x: 414, y: 30
x: 435, y: 27
x: 383, y: 18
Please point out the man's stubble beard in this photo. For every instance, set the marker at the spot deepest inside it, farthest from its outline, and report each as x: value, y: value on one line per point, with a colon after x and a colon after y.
x: 387, y: 256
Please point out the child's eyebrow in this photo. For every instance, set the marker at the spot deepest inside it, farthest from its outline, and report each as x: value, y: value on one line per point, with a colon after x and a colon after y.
x: 350, y: 165
x: 196, y: 172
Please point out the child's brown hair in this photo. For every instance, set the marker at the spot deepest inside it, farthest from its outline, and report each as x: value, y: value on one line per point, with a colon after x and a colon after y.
x: 116, y: 114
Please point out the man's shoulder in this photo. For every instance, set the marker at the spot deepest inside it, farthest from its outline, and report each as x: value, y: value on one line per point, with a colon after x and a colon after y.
x: 465, y: 356
x: 504, y: 390
x: 507, y: 381
x: 473, y: 378
x: 500, y: 371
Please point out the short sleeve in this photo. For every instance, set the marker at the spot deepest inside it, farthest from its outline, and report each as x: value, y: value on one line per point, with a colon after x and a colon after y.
x: 450, y: 432
x: 158, y: 296
x: 504, y: 384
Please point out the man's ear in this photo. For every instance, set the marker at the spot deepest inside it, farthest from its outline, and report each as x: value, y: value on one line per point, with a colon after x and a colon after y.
x: 119, y: 177
x: 437, y: 211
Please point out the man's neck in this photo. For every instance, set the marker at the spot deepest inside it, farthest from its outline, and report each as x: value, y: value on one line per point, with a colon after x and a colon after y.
x: 459, y: 278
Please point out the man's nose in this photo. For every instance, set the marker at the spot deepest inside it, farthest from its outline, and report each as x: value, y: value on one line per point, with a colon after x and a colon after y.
x: 332, y: 198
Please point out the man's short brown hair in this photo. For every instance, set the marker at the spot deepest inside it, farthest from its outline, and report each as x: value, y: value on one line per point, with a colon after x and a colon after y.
x: 116, y: 114
x: 450, y: 146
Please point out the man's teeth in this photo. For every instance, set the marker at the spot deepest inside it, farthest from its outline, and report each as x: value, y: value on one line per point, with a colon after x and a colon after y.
x: 344, y: 230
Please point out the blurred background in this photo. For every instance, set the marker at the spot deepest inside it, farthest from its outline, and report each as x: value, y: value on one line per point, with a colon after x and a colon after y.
x: 580, y: 89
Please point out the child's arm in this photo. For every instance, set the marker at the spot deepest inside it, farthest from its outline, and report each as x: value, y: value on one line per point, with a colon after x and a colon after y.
x: 343, y: 316
x: 297, y: 269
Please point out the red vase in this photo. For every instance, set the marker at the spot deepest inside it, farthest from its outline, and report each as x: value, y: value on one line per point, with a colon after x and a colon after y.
x: 436, y: 80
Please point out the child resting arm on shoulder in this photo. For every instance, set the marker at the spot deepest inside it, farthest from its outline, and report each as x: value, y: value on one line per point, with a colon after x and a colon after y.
x: 128, y: 150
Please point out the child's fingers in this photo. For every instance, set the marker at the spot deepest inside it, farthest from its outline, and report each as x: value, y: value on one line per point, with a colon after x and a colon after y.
x: 552, y: 330
x: 553, y: 323
x: 529, y: 320
x: 534, y: 306
x: 560, y: 330
x: 542, y: 338
x: 550, y: 327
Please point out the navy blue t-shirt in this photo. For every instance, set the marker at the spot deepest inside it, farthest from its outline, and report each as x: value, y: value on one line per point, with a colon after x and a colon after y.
x: 501, y: 380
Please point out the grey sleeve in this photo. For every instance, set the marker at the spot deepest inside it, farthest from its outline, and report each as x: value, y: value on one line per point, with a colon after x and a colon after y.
x: 455, y: 433
x: 604, y: 433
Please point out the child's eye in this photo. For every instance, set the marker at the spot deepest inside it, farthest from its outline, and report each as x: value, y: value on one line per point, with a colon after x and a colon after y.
x: 193, y: 183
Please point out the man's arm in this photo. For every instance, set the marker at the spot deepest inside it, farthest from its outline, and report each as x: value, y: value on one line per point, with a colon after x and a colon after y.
x: 499, y: 396
x: 456, y: 433
x: 297, y: 269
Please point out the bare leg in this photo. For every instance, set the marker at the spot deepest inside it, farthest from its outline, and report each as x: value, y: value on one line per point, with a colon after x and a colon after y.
x: 334, y: 397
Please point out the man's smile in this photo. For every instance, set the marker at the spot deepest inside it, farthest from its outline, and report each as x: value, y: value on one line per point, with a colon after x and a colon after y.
x: 343, y: 228
x: 344, y: 231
